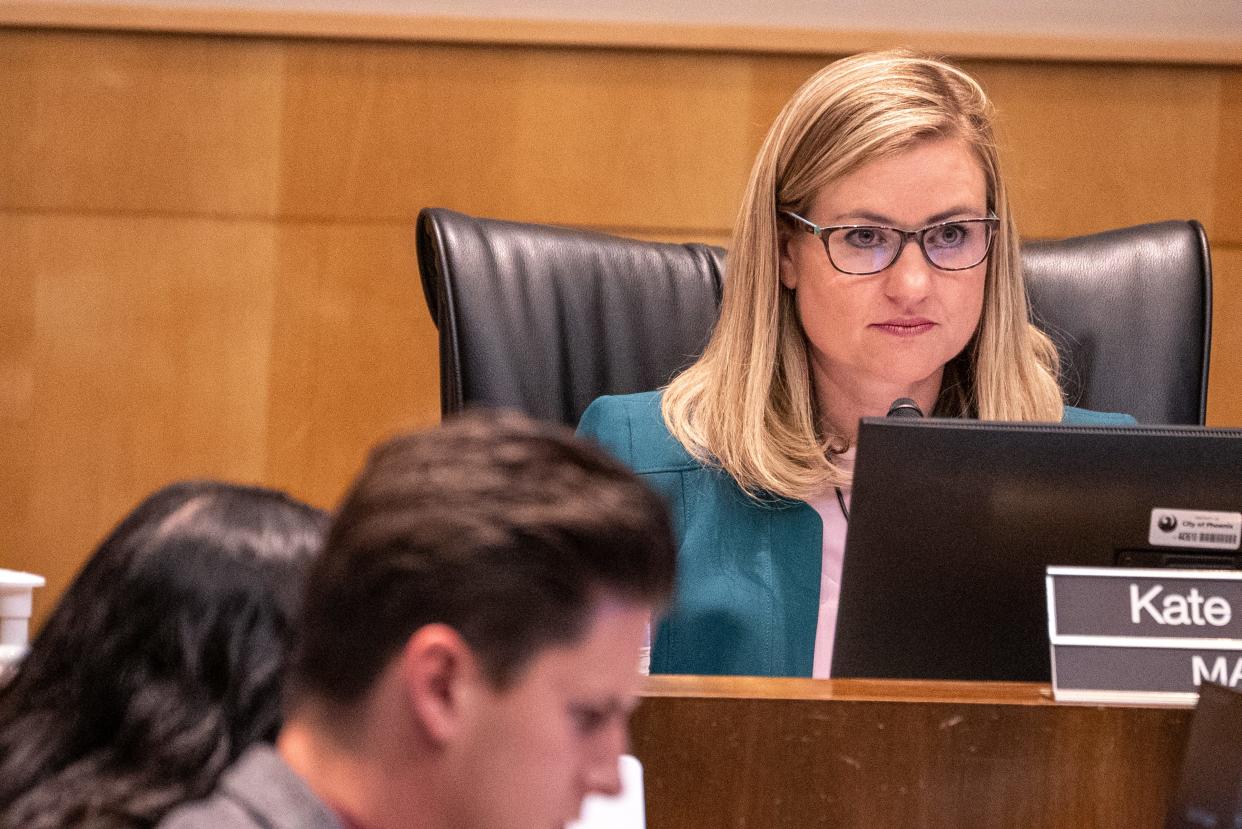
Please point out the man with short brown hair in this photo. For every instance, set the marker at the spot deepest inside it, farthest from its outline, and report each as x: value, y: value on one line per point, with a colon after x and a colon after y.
x: 470, y: 640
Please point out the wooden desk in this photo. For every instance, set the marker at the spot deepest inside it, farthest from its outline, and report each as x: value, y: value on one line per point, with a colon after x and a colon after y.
x: 746, y: 752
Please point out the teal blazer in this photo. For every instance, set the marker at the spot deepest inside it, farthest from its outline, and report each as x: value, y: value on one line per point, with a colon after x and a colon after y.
x: 747, y: 599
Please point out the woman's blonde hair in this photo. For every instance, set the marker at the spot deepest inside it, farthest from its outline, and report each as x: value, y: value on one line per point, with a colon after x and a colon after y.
x: 747, y: 405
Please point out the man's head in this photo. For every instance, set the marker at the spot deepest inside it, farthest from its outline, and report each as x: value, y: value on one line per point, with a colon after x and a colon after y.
x: 485, y: 586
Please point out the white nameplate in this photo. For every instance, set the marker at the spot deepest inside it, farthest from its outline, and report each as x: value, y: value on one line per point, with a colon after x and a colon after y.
x: 1145, y: 636
x: 1195, y: 529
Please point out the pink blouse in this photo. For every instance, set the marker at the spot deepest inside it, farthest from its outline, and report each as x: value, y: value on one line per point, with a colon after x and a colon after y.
x: 835, y: 526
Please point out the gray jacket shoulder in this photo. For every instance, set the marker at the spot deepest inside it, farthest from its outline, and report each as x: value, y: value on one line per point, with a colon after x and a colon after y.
x: 259, y: 791
x: 213, y: 812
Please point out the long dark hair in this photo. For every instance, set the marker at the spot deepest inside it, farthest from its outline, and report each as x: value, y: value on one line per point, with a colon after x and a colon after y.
x: 163, y: 661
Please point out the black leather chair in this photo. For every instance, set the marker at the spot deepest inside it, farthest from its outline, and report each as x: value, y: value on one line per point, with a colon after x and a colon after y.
x: 545, y: 319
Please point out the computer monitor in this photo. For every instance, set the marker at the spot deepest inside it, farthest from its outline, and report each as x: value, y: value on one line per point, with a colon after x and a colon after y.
x: 952, y: 523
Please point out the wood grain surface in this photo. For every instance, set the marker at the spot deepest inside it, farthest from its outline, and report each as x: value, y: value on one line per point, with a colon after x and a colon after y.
x: 1000, y: 37
x: 729, y: 752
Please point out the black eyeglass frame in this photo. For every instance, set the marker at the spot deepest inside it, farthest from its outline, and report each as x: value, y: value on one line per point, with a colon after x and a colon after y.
x: 824, y: 232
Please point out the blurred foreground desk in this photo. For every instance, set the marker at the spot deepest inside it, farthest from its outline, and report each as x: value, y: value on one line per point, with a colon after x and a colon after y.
x: 774, y: 753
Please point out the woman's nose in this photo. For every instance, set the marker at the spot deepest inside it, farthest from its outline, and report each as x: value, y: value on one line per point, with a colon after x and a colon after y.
x: 908, y: 279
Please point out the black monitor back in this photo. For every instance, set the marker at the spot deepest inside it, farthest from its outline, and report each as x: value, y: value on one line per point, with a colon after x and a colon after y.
x: 953, y: 522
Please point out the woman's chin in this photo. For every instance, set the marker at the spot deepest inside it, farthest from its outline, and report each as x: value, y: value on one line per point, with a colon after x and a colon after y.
x: 907, y: 380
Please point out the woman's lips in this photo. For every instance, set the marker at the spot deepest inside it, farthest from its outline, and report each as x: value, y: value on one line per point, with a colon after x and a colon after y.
x: 905, y: 327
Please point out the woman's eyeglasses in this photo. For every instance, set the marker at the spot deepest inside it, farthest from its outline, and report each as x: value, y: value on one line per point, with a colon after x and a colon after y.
x: 866, y: 249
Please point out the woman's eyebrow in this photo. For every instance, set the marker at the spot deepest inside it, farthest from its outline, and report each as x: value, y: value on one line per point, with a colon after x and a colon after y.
x: 957, y: 212
x: 881, y: 219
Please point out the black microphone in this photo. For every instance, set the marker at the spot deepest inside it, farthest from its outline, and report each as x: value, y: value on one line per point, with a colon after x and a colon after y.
x: 904, y: 407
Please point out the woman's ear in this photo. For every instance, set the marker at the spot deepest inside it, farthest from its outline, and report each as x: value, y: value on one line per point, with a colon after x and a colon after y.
x: 788, y: 269
x: 439, y: 673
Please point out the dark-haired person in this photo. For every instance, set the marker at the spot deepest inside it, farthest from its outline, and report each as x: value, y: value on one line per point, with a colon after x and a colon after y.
x: 162, y: 662
x: 874, y: 257
x: 470, y: 641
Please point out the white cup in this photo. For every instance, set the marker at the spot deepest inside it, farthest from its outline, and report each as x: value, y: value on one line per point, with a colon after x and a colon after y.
x: 16, y: 604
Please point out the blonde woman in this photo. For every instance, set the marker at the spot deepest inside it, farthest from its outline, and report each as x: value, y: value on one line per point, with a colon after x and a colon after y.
x: 874, y: 257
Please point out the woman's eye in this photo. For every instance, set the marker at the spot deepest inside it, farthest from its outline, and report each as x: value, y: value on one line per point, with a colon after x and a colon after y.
x: 947, y: 236
x: 864, y: 237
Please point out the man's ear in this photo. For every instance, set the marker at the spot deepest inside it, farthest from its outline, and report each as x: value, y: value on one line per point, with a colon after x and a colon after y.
x: 440, y: 673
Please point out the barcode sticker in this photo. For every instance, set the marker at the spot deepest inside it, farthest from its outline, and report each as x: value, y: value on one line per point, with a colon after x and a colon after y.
x: 1195, y: 529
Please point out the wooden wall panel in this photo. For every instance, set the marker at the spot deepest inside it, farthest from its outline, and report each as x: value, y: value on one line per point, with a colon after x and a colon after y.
x: 206, y: 254
x: 145, y: 359
x: 380, y: 131
x: 144, y: 350
x: 1225, y: 380
x: 18, y: 426
x: 354, y: 353
x: 1228, y: 218
x: 100, y: 122
x: 1114, y: 146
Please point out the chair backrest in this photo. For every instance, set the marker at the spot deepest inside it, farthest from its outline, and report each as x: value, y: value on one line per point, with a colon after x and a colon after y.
x: 1131, y: 313
x: 545, y: 319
